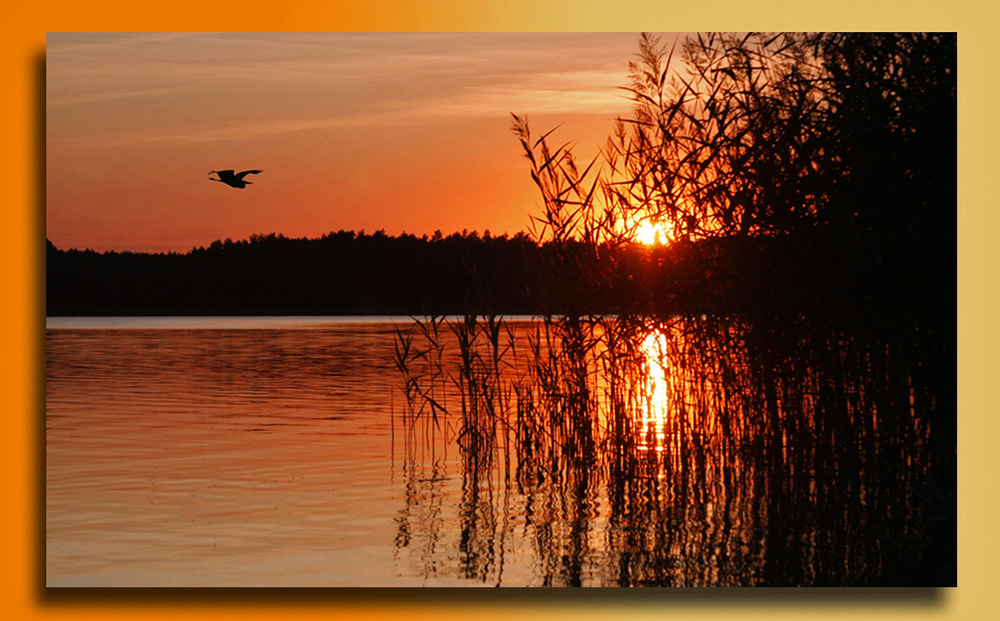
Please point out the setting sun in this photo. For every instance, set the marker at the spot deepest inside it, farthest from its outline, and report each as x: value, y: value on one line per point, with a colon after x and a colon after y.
x: 651, y: 233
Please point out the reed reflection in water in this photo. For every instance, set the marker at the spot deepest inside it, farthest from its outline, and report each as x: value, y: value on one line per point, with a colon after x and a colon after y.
x: 681, y: 452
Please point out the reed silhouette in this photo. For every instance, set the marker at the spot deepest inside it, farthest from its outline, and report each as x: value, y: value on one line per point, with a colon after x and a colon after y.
x: 683, y: 452
x: 771, y: 399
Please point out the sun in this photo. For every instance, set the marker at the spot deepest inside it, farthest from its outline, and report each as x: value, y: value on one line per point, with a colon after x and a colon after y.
x: 652, y: 233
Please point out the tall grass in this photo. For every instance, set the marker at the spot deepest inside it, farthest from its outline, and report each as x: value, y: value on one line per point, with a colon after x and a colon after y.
x: 698, y: 441
x: 776, y: 452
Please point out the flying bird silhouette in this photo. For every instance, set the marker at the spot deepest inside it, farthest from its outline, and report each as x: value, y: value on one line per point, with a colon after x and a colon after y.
x: 233, y: 179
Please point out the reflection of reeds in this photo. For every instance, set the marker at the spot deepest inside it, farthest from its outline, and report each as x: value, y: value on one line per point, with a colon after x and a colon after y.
x: 667, y: 450
x: 779, y: 452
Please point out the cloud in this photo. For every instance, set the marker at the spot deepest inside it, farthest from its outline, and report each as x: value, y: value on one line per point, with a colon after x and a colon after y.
x: 117, y: 90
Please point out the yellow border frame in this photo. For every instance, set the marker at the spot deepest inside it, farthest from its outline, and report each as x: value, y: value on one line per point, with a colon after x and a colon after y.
x: 21, y: 245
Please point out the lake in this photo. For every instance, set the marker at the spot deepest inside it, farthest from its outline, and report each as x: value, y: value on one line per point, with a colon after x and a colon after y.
x: 679, y: 452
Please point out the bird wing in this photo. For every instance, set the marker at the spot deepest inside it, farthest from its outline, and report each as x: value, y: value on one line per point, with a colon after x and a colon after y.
x: 247, y: 172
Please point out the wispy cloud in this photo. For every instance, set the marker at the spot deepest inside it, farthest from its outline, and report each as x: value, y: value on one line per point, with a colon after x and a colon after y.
x: 156, y: 89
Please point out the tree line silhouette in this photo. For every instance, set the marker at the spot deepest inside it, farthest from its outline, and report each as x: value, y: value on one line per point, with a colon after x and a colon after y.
x: 348, y: 273
x: 342, y: 273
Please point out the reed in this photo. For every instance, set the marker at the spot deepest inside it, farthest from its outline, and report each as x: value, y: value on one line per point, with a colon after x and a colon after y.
x: 739, y: 423
x: 756, y: 421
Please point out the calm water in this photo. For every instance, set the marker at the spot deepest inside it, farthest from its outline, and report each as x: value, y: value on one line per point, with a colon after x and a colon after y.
x: 284, y: 452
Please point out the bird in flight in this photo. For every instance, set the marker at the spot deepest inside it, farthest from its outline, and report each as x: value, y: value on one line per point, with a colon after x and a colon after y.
x: 233, y: 179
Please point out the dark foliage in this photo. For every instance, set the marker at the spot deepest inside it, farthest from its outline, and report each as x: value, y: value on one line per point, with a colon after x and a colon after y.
x: 343, y: 273
x: 794, y: 173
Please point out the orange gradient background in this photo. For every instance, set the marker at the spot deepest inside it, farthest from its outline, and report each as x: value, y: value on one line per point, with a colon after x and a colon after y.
x: 22, y: 208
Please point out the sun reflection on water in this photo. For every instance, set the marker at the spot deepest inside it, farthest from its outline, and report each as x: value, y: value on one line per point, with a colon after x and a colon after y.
x: 654, y: 411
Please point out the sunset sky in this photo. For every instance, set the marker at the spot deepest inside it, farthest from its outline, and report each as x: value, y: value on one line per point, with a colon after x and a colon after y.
x: 401, y: 132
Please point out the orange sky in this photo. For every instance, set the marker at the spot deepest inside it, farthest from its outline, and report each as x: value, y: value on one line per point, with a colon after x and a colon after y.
x: 402, y: 132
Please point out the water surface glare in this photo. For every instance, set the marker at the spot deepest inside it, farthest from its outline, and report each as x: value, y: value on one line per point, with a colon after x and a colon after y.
x: 282, y: 451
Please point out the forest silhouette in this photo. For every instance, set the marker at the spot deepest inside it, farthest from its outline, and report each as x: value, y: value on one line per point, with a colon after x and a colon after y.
x: 348, y: 273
